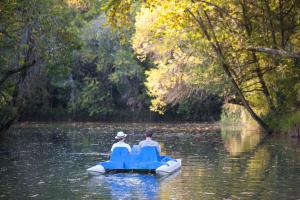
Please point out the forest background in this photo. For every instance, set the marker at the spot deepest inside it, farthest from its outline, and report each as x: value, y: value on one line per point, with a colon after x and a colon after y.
x: 129, y: 60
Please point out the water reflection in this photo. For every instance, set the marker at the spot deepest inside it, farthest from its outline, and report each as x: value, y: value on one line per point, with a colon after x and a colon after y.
x: 240, y: 141
x: 129, y: 186
x: 258, y: 164
x: 49, y: 162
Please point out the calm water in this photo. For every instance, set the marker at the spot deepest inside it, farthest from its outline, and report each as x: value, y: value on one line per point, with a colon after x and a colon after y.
x: 48, y: 161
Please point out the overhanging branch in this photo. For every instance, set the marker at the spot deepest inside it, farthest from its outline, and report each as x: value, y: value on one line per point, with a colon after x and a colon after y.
x: 14, y: 71
x: 275, y: 52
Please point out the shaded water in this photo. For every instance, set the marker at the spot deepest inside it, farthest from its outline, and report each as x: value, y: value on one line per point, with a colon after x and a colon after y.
x: 48, y: 161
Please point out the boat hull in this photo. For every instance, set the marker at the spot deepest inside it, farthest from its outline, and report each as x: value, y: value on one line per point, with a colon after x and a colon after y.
x: 96, y: 170
x: 167, y: 169
x: 146, y: 160
x: 172, y: 167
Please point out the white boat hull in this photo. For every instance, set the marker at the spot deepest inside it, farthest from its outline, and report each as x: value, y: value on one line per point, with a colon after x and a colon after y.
x: 163, y: 170
x: 96, y: 170
x: 172, y: 167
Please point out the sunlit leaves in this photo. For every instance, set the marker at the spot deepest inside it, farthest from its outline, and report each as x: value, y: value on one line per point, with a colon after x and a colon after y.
x: 82, y: 5
x: 175, y: 47
x: 234, y: 26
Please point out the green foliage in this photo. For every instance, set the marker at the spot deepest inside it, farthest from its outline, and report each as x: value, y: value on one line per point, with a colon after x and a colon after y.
x: 182, y: 57
x: 125, y: 65
x: 237, y: 116
x: 199, y: 44
x: 35, y: 42
x: 92, y: 99
x: 107, y: 76
x: 284, y: 122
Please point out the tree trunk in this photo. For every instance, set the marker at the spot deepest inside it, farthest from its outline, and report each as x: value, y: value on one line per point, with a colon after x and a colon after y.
x: 248, y: 27
x: 244, y: 101
x: 12, y: 111
x: 217, y: 48
x: 265, y: 89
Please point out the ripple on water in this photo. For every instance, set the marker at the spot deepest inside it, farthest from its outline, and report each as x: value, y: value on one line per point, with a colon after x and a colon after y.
x: 214, y: 165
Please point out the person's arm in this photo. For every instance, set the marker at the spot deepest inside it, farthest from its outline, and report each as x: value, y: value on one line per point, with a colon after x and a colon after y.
x: 112, y: 148
x: 129, y: 148
x: 141, y: 144
x: 158, y: 147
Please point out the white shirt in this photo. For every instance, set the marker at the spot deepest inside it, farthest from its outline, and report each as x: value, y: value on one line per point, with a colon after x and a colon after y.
x: 149, y: 142
x: 121, y: 144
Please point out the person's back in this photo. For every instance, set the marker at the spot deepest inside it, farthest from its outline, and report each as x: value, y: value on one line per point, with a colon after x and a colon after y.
x: 121, y: 143
x: 149, y: 142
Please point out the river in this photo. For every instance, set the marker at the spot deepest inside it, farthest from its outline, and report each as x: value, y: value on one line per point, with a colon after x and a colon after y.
x: 49, y: 161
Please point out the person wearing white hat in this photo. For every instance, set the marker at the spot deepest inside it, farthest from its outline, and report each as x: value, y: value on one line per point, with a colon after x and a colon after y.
x: 121, y: 141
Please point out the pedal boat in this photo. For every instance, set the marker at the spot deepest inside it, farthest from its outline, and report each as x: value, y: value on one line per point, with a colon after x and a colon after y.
x: 146, y: 160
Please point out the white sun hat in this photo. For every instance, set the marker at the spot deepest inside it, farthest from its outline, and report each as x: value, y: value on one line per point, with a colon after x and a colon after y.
x: 120, y: 135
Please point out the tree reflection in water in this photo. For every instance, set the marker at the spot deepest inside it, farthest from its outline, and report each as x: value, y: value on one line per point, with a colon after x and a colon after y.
x: 241, y: 140
x: 50, y: 161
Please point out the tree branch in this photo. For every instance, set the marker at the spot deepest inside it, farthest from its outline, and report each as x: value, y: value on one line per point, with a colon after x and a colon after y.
x: 14, y: 71
x: 275, y: 52
x: 253, y: 90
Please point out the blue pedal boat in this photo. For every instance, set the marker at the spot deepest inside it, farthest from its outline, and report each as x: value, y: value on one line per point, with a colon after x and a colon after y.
x: 145, y: 160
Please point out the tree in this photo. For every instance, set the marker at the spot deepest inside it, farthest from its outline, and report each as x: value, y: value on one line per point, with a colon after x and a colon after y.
x: 107, y: 75
x: 225, y: 30
x: 34, y: 39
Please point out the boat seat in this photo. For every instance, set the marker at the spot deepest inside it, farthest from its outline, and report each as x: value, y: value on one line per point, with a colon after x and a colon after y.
x: 149, y: 153
x: 148, y: 159
x: 117, y: 158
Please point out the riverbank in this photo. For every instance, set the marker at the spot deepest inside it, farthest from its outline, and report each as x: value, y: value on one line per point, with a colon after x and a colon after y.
x: 287, y: 123
x: 281, y: 123
x: 133, y: 127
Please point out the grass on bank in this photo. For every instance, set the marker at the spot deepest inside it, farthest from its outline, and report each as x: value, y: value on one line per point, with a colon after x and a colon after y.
x: 284, y: 122
x: 235, y: 115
